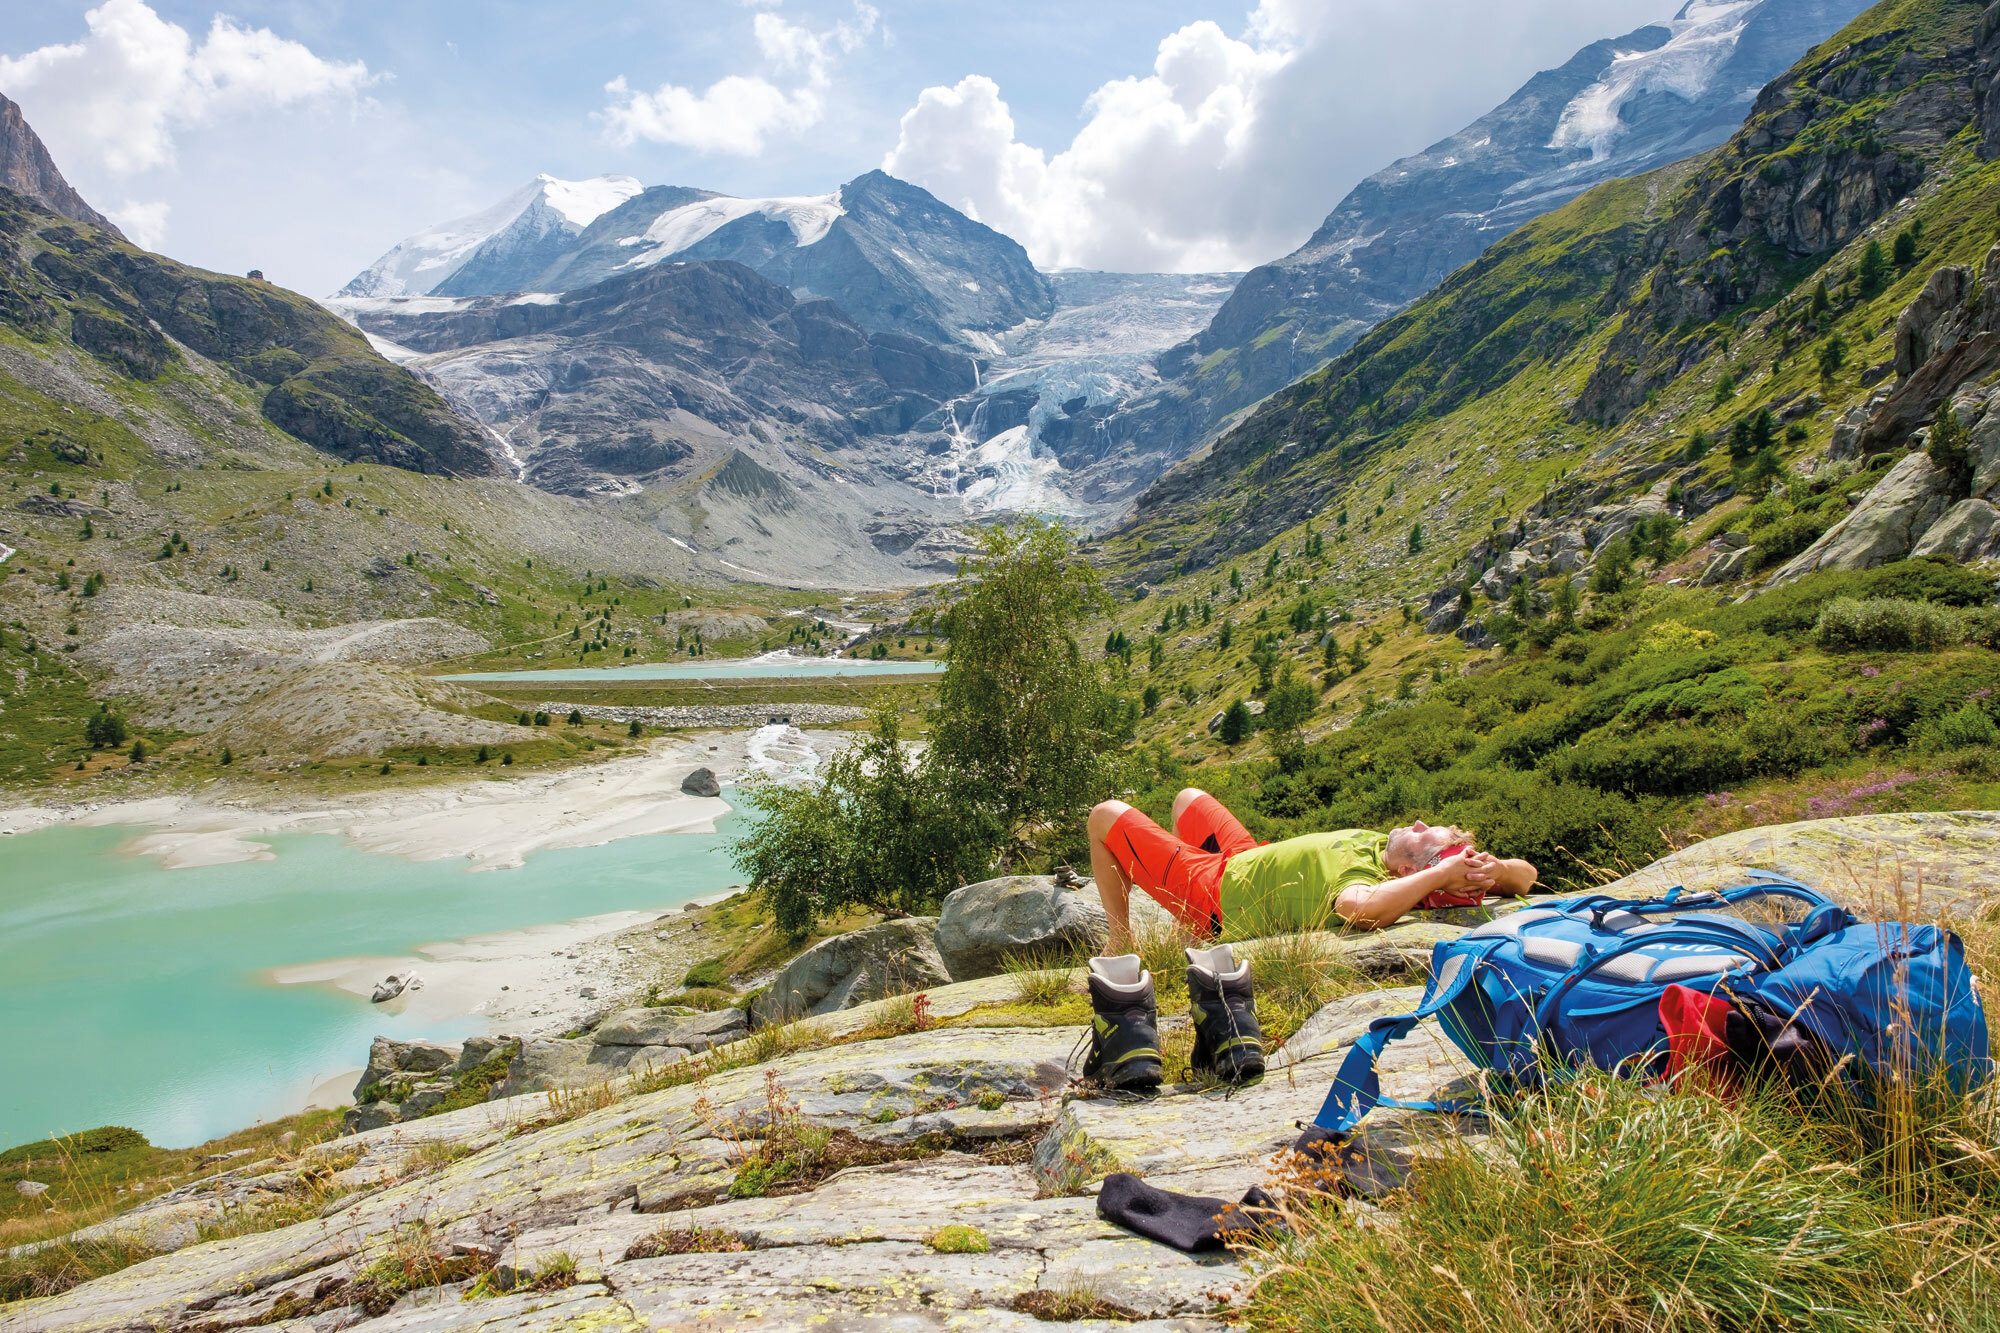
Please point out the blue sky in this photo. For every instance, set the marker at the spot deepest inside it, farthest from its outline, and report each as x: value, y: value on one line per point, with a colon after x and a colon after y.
x: 306, y: 138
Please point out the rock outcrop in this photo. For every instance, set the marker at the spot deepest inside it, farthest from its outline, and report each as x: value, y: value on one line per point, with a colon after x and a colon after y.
x: 862, y: 965
x: 976, y: 1124
x: 1885, y: 526
x: 672, y: 1028
x: 701, y: 782
x: 1942, y: 861
x: 983, y: 925
x: 26, y: 168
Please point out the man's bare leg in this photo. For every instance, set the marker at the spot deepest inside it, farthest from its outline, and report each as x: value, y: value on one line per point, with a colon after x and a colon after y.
x: 1185, y: 798
x: 1112, y: 886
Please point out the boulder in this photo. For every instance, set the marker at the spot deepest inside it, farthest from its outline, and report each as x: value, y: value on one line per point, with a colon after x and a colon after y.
x: 701, y: 782
x: 544, y: 1064
x: 862, y: 965
x: 388, y: 988
x: 982, y: 925
x: 387, y: 1059
x: 1883, y: 527
x: 1725, y: 566
x: 1969, y: 530
x: 369, y: 1115
x: 478, y: 1050
x: 30, y: 1188
x: 660, y: 1027
x: 1508, y: 570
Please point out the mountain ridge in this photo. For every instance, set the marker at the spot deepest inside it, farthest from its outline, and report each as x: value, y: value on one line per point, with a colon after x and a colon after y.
x: 1414, y: 223
x: 27, y: 169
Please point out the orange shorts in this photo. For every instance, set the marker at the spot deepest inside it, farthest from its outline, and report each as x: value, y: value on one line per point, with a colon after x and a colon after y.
x: 1182, y: 870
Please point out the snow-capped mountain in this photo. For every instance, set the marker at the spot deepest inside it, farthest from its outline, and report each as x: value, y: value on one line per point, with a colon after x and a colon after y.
x: 498, y: 249
x: 889, y: 254
x: 1619, y: 107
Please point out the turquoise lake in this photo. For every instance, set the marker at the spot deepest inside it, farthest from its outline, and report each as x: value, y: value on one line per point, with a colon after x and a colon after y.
x: 735, y: 668
x: 137, y: 996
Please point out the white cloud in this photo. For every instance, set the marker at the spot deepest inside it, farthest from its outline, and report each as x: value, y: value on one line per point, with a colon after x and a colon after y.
x: 116, y: 97
x: 1233, y: 148
x: 738, y: 112
x: 144, y: 224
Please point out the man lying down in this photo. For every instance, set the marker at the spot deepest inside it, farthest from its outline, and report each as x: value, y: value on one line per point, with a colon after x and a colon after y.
x: 1209, y: 871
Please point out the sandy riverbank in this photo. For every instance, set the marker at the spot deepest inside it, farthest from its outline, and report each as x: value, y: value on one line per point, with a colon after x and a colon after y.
x: 492, y: 822
x: 540, y: 980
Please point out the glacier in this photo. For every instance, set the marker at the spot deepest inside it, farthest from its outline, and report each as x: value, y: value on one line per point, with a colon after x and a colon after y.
x: 810, y: 217
x: 1705, y: 34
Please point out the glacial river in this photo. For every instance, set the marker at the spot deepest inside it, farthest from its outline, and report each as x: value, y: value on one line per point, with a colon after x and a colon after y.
x: 133, y: 995
x: 769, y: 666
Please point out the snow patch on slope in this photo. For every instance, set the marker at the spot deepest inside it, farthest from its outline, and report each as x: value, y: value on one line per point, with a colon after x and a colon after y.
x: 1705, y: 34
x: 809, y: 216
x: 583, y: 202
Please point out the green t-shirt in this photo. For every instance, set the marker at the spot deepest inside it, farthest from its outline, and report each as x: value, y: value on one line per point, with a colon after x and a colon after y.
x: 1292, y: 885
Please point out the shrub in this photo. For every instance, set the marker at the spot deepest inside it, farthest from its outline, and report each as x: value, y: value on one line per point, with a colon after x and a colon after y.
x: 1674, y: 636
x: 1952, y: 450
x: 1565, y: 829
x: 1969, y: 726
x: 882, y: 829
x: 1887, y: 623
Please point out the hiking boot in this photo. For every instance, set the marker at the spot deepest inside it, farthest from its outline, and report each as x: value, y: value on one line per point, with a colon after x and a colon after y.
x: 1227, y: 1041
x: 1124, y: 1025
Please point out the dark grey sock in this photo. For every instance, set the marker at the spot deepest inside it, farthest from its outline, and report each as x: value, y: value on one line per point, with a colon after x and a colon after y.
x: 1187, y: 1222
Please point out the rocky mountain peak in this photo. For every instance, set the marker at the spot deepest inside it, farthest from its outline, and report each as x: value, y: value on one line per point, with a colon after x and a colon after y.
x: 26, y: 168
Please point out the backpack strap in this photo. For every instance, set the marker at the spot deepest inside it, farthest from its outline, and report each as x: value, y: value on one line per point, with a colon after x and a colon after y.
x: 1696, y: 932
x: 1357, y: 1088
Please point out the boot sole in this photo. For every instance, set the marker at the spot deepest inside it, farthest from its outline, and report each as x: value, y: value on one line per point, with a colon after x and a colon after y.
x: 1137, y: 1076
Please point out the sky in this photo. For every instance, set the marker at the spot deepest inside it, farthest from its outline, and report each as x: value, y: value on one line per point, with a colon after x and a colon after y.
x: 305, y: 137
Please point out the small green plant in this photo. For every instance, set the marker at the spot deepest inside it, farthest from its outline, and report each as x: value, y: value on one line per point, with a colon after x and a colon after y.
x: 1037, y: 983
x: 1072, y: 1302
x: 958, y: 1239
x: 685, y: 1240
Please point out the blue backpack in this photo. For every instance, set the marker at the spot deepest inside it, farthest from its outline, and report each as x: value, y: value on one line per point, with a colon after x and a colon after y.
x: 1580, y: 981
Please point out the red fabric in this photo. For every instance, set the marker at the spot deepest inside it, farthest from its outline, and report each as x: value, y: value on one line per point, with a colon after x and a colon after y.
x: 1696, y: 1026
x: 1445, y: 898
x: 1177, y: 869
